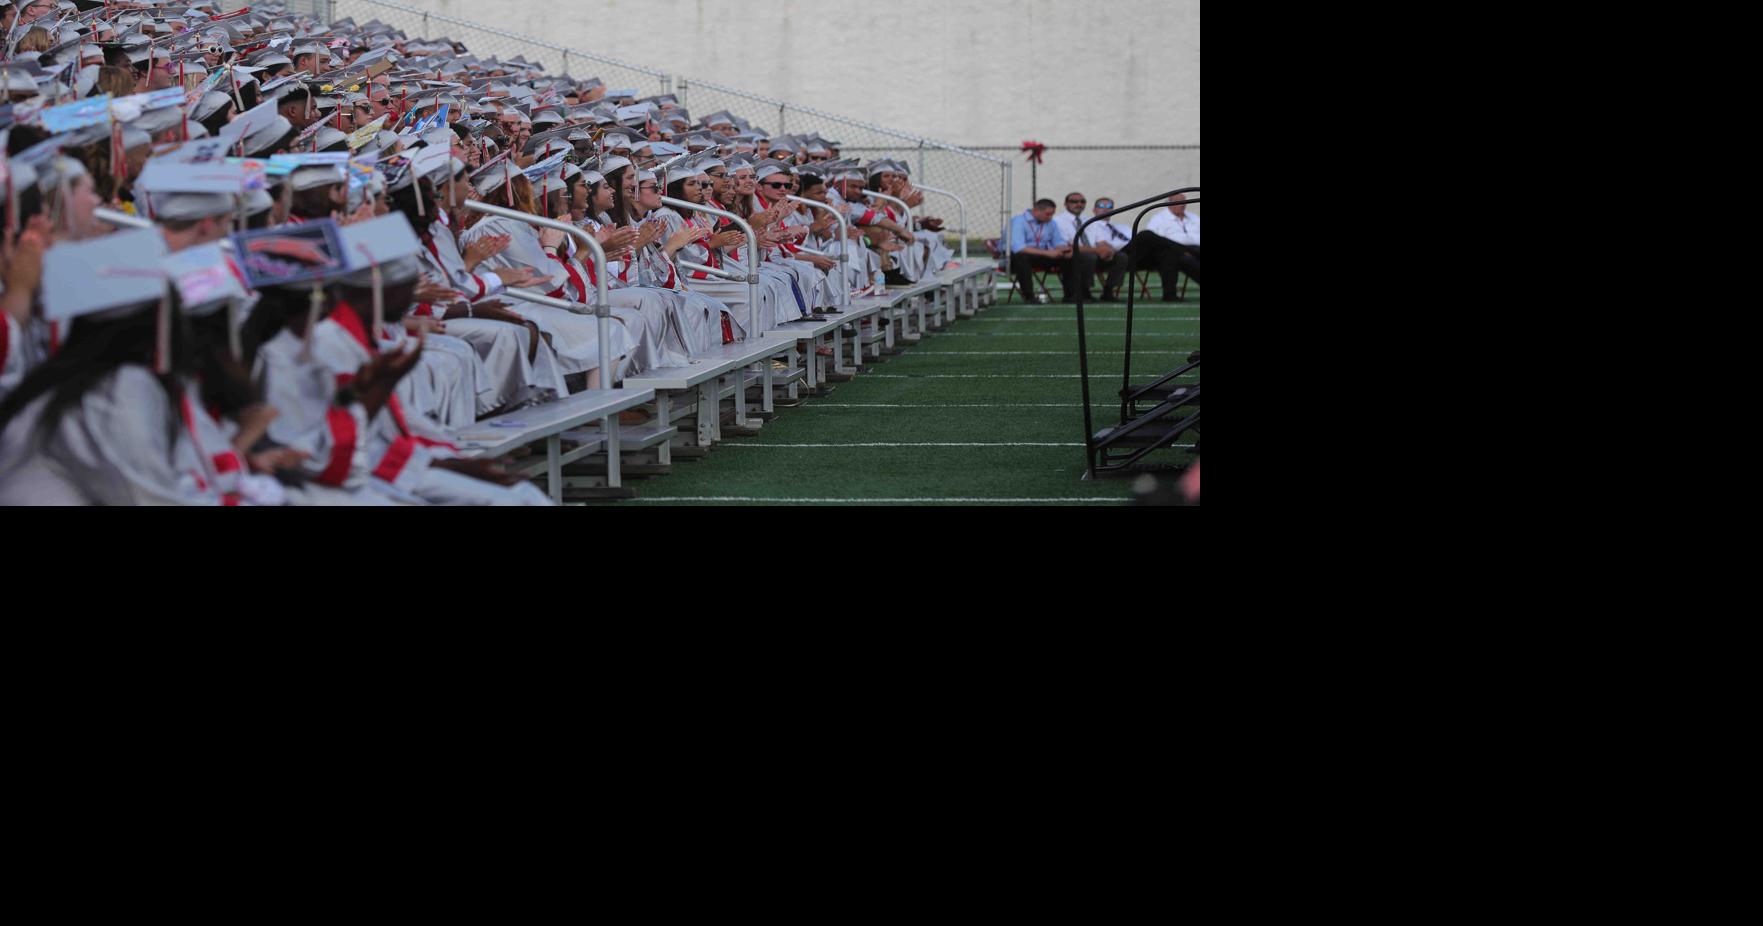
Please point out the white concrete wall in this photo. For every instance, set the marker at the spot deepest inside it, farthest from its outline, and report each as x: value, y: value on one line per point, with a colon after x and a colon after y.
x: 961, y: 71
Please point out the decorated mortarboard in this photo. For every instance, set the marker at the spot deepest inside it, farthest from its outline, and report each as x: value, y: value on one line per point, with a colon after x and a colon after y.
x: 201, y: 277
x: 289, y: 254
x: 549, y: 166
x: 111, y: 273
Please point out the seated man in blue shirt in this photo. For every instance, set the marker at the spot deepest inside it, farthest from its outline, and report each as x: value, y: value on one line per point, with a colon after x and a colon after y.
x: 1036, y: 239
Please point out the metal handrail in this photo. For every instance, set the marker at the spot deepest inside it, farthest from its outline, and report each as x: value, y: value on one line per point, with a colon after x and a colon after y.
x: 752, y: 256
x: 871, y: 194
x: 1083, y: 355
x: 602, y: 308
x: 960, y: 206
x: 538, y: 298
x: 712, y: 271
x: 121, y: 219
x: 900, y: 202
x: 843, y: 290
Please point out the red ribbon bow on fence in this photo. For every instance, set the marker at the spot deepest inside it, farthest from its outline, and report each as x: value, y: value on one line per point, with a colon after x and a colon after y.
x: 1035, y: 150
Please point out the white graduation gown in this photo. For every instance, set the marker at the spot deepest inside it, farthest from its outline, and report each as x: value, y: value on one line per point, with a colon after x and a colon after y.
x: 402, y: 447
x: 512, y: 379
x: 575, y: 337
x: 125, y: 443
x: 303, y: 392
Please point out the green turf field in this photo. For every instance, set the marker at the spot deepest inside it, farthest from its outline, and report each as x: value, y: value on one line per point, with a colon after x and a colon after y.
x: 986, y: 412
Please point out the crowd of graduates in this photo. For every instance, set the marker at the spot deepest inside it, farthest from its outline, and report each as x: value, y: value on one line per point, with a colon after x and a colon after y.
x: 240, y: 266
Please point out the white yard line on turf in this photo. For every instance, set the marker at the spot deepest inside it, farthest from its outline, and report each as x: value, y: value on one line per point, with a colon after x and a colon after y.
x: 932, y: 444
x: 1067, y: 321
x: 1033, y: 353
x: 936, y: 405
x: 996, y: 375
x: 1063, y: 334
x: 874, y: 501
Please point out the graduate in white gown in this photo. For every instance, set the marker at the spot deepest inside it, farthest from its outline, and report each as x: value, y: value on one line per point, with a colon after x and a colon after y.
x: 725, y: 250
x: 326, y: 427
x: 861, y: 269
x: 789, y: 301
x: 574, y: 336
x: 690, y: 181
x: 645, y: 314
x: 110, y: 419
x: 410, y: 455
x: 521, y: 367
x: 697, y: 317
x: 775, y: 182
x: 445, y: 387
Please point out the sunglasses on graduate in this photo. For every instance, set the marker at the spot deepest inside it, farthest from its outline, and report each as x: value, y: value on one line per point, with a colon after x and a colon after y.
x: 648, y: 186
x: 777, y: 186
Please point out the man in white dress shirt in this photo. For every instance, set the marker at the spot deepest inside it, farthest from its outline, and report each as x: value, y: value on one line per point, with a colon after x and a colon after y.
x: 1101, y: 239
x: 1170, y: 242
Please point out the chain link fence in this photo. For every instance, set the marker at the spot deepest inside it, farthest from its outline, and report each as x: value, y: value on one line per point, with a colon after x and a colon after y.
x: 980, y: 181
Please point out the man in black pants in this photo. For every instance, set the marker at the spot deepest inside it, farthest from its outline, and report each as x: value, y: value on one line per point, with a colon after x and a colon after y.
x: 1170, y: 242
x: 1036, y: 239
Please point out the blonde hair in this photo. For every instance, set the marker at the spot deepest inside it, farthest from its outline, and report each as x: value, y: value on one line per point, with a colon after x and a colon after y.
x: 36, y: 40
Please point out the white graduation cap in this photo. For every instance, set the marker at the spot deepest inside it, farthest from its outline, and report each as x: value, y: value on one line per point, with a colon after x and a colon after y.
x: 429, y: 159
x: 263, y: 138
x: 310, y: 176
x: 114, y: 272
x: 379, y: 253
x: 201, y: 277
x: 494, y: 177
x: 250, y: 122
x: 185, y: 191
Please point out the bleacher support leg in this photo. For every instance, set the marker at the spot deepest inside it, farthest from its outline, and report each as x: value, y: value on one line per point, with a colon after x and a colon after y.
x: 614, y: 456
x: 554, y: 467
